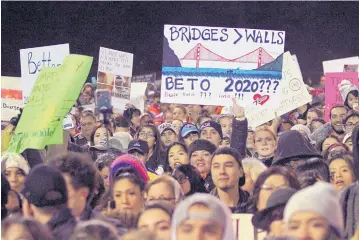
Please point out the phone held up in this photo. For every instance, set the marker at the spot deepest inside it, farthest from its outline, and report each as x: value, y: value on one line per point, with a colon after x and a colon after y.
x: 103, y: 99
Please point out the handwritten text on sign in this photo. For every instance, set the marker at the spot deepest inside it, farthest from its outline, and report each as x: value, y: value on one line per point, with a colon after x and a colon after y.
x: 52, y: 97
x: 34, y: 60
x: 332, y: 94
x: 115, y: 62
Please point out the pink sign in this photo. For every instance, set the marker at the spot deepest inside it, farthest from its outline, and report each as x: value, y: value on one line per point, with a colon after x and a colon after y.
x: 332, y: 94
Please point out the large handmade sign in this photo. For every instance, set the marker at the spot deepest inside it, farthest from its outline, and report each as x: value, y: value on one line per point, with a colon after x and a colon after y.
x: 55, y: 92
x: 11, y: 97
x: 340, y: 65
x: 33, y: 60
x: 212, y: 65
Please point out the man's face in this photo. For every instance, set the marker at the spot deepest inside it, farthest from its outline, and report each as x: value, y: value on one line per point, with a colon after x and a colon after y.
x: 336, y: 119
x: 226, y: 125
x: 168, y: 137
x: 140, y: 156
x: 88, y: 125
x: 351, y: 123
x: 198, y: 229
x: 210, y: 134
x: 225, y: 172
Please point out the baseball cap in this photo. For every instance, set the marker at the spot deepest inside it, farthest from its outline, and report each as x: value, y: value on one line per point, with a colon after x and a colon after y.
x: 188, y: 128
x: 166, y: 126
x: 139, y: 146
x: 45, y: 187
x: 15, y: 160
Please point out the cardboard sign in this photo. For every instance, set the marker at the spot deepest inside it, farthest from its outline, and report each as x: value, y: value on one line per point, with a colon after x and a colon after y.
x: 148, y: 78
x: 293, y: 94
x: 337, y: 65
x: 212, y: 65
x: 114, y: 74
x: 33, y: 60
x: 332, y: 93
x: 244, y: 229
x: 138, y: 95
x: 52, y: 97
x: 11, y: 97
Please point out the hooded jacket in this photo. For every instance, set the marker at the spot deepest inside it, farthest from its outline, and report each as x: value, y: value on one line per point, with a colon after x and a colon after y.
x: 216, y: 206
x: 291, y: 145
x: 62, y: 224
x: 242, y: 203
x: 349, y: 197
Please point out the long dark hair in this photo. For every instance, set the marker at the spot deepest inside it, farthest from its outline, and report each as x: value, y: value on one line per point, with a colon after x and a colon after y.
x: 94, y: 132
x: 168, y: 167
x: 277, y: 170
x: 355, y: 93
x: 158, y: 147
x: 194, y: 177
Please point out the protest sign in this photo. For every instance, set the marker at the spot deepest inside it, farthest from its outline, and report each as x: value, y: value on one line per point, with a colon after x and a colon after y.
x: 138, y: 95
x: 11, y: 97
x: 114, y: 74
x: 52, y: 97
x: 332, y: 93
x: 148, y: 78
x: 293, y: 94
x: 33, y: 60
x: 244, y: 229
x: 212, y: 65
x: 337, y: 65
x: 295, y: 59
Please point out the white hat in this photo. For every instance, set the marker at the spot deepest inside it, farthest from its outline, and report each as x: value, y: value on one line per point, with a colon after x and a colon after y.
x: 15, y: 160
x: 320, y: 198
x: 345, y: 87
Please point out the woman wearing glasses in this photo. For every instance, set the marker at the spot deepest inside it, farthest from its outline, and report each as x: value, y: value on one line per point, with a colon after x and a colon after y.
x: 190, y: 179
x: 157, y: 160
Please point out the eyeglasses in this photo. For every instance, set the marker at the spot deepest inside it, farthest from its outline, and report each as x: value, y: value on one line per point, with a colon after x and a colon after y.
x: 181, y: 179
x: 351, y: 125
x: 146, y: 135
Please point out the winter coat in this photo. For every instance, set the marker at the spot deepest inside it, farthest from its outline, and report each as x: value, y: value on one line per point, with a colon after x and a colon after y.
x: 349, y: 200
x: 293, y: 145
x: 89, y: 214
x: 241, y: 205
x: 321, y: 134
x: 239, y: 136
x: 62, y: 224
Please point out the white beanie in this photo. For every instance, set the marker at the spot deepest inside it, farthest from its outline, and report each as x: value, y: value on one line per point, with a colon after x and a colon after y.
x: 320, y: 198
x: 305, y: 129
x: 345, y: 87
x: 15, y: 160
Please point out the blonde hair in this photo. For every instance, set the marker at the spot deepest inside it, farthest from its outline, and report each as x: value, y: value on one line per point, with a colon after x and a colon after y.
x: 171, y: 182
x: 254, y: 166
x: 265, y: 129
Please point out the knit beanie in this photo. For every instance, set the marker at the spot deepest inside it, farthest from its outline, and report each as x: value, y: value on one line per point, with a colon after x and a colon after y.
x: 345, y: 87
x: 305, y: 129
x: 201, y: 145
x: 214, y: 125
x: 326, y: 204
x: 128, y: 160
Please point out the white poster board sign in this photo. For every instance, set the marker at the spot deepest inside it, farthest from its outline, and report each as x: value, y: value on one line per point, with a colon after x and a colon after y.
x: 11, y: 97
x: 337, y: 65
x: 138, y: 95
x: 293, y: 94
x: 32, y: 60
x: 212, y: 65
x: 114, y: 74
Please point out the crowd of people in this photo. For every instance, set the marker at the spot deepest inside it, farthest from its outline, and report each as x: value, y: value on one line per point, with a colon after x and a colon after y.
x: 175, y: 171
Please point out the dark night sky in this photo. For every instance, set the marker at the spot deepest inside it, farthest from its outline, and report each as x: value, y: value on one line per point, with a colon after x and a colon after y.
x: 315, y: 31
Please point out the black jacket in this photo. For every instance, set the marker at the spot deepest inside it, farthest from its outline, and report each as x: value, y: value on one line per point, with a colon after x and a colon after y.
x: 89, y: 214
x: 292, y: 145
x: 62, y: 224
x: 239, y: 136
x: 349, y: 200
x: 241, y: 205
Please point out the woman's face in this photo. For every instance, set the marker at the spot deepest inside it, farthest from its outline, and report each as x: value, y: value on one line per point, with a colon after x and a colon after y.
x: 177, y: 124
x: 177, y: 156
x: 202, y: 161
x: 308, y: 225
x: 136, y: 119
x: 101, y: 135
x: 127, y: 196
x: 146, y: 134
x: 16, y: 178
x: 311, y: 116
x: 191, y: 137
x: 178, y: 113
x: 105, y: 173
x: 327, y: 142
x: 341, y: 174
x: 272, y: 183
x: 183, y: 180
x: 169, y: 117
x: 352, y: 100
x: 159, y: 225
x: 161, y: 191
x: 264, y: 144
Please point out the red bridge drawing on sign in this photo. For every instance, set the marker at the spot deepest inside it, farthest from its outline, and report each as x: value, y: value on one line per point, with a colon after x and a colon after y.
x: 201, y: 53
